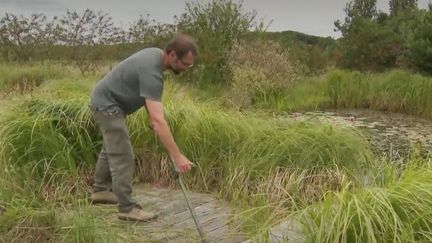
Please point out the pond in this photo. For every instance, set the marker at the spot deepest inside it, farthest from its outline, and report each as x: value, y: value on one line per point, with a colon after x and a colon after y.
x: 393, y: 134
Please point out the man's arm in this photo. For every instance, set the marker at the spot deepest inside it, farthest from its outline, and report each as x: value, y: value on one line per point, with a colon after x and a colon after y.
x: 160, y: 126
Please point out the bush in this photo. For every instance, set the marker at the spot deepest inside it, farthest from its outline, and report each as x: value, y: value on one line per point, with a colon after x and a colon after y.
x: 216, y: 26
x: 259, y: 77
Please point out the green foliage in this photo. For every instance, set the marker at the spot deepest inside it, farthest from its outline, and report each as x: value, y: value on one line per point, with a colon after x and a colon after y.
x: 219, y: 143
x: 260, y: 77
x: 16, y: 77
x: 356, y: 9
x: 420, y: 43
x: 397, y: 212
x: 83, y: 227
x: 313, y: 52
x: 303, y: 95
x: 33, y: 224
x: 372, y: 40
x: 402, y: 6
x: 85, y: 39
x: 369, y: 46
x: 49, y: 140
x: 377, y: 41
x: 348, y: 89
x: 46, y: 135
x: 397, y: 91
x: 55, y: 131
x: 20, y: 35
x: 216, y: 26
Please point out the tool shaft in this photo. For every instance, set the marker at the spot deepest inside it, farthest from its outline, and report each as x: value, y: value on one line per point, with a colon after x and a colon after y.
x: 191, y: 209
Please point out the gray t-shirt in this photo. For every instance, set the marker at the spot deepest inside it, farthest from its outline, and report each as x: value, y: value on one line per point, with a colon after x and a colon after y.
x: 131, y: 82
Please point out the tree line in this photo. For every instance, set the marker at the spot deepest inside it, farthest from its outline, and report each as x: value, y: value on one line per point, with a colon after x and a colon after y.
x: 375, y: 40
x: 371, y: 40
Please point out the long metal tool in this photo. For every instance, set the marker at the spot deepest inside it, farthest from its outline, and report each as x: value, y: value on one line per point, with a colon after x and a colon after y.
x: 179, y: 180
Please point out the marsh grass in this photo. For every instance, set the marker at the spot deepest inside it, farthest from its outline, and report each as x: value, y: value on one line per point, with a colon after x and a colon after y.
x: 395, y: 91
x: 272, y: 167
x: 397, y: 211
x: 23, y: 78
x: 49, y: 139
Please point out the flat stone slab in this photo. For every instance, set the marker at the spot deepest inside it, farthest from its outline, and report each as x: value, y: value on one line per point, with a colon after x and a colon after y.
x: 175, y: 223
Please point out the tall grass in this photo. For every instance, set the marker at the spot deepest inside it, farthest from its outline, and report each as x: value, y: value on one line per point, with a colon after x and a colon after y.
x: 224, y: 143
x: 49, y: 144
x: 405, y: 92
x: 25, y: 77
x: 21, y: 224
x: 45, y: 155
x: 396, y: 91
x: 399, y: 211
x: 56, y: 213
x: 305, y: 94
x: 349, y: 89
x: 44, y: 209
x: 59, y: 133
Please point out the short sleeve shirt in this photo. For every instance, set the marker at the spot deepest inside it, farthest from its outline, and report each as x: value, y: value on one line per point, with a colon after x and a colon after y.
x: 131, y: 82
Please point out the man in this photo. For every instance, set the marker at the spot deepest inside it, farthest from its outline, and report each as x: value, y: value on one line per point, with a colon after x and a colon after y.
x: 134, y: 83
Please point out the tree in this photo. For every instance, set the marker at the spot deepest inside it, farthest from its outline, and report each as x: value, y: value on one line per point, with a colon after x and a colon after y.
x: 370, y: 46
x: 21, y: 34
x: 375, y: 40
x: 355, y: 9
x: 146, y: 30
x: 141, y: 29
x: 420, y: 43
x: 402, y: 6
x: 83, y: 32
x: 216, y: 25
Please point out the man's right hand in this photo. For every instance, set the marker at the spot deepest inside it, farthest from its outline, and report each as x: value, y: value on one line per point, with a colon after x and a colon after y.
x: 160, y: 126
x: 182, y: 163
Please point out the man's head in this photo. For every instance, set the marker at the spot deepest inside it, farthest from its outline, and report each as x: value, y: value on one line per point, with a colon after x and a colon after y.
x: 181, y: 52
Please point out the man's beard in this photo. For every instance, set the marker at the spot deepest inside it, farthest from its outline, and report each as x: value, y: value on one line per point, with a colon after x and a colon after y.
x: 174, y: 70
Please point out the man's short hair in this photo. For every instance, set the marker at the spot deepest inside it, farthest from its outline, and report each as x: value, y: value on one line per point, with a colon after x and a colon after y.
x: 181, y: 44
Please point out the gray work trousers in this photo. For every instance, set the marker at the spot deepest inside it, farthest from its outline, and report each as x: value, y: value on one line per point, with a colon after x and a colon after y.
x: 115, y: 165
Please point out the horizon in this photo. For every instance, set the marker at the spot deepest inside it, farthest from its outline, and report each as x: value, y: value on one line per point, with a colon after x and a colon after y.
x: 307, y: 16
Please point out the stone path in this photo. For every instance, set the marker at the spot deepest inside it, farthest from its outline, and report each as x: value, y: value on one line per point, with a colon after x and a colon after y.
x: 175, y: 223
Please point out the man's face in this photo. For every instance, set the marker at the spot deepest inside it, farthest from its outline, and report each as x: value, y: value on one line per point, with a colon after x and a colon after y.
x: 178, y: 65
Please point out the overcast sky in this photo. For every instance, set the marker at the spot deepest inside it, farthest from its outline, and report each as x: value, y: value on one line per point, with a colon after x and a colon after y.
x: 314, y: 17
